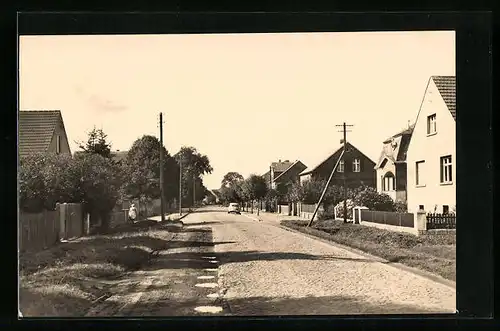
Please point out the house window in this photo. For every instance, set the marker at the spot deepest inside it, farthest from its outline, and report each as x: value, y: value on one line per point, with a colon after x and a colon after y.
x: 421, y: 207
x: 356, y: 165
x: 446, y: 209
x: 58, y: 144
x: 389, y: 182
x: 446, y: 169
x: 419, y: 169
x: 431, y: 124
x: 340, y: 167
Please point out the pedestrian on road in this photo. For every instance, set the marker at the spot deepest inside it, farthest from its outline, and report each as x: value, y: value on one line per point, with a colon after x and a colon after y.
x: 132, y: 213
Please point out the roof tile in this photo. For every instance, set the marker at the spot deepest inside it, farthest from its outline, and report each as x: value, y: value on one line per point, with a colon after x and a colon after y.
x: 447, y: 88
x: 36, y: 128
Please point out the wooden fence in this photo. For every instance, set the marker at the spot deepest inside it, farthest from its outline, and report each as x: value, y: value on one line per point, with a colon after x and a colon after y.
x: 38, y: 231
x: 388, y: 218
x: 441, y: 221
x: 42, y: 230
x: 307, y: 208
x: 284, y: 209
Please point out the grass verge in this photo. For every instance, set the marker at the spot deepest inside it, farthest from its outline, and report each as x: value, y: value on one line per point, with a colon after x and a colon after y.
x: 434, y: 253
x: 68, y: 278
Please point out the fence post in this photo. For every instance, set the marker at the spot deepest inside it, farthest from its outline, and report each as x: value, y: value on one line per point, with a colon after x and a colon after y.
x: 86, y: 222
x: 420, y: 223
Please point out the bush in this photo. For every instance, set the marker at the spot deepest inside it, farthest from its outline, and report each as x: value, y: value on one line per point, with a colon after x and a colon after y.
x: 400, y: 207
x: 46, y: 179
x: 370, y: 198
x: 339, y: 208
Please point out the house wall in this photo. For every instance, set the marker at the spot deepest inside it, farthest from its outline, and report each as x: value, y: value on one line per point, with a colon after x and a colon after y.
x: 292, y: 175
x: 389, y: 166
x: 430, y: 149
x: 366, y: 176
x: 59, y: 130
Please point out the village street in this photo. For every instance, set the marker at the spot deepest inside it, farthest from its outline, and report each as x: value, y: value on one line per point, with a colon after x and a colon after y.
x: 222, y: 264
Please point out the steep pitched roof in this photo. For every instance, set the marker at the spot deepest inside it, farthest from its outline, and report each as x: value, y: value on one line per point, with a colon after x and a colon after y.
x: 294, y: 164
x: 281, y: 166
x: 317, y: 165
x: 447, y: 88
x: 398, y: 154
x: 36, y: 129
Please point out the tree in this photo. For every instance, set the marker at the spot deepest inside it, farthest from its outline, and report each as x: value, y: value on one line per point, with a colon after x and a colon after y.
x: 45, y: 179
x: 194, y: 166
x: 142, y: 167
x: 89, y: 178
x: 295, y: 192
x: 231, y: 178
x: 254, y: 188
x: 99, y: 185
x: 96, y: 143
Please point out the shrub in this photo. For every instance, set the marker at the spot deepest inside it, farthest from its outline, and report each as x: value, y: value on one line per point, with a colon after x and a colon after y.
x: 339, y: 208
x: 400, y: 207
x: 370, y: 198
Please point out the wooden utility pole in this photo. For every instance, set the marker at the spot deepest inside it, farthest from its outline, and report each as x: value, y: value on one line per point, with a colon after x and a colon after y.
x: 180, y: 185
x: 344, y: 130
x: 194, y: 191
x: 324, y: 190
x: 162, y: 196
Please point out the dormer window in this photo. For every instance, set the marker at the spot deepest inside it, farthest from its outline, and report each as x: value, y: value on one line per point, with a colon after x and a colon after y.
x: 431, y: 124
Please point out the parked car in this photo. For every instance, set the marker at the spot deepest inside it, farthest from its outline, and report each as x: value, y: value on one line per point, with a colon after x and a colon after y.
x: 233, y: 208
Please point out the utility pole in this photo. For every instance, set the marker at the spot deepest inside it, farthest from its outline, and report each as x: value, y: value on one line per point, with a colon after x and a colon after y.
x: 180, y: 185
x: 194, y: 191
x: 344, y: 130
x: 162, y: 196
x: 324, y: 190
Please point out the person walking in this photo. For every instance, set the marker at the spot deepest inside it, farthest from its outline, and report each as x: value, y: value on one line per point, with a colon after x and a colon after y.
x: 132, y: 213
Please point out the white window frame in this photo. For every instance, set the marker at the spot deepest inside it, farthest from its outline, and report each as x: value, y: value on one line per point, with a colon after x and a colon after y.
x: 431, y: 124
x: 446, y: 169
x: 389, y: 183
x: 419, y: 172
x: 58, y: 144
x: 356, y: 165
x: 340, y: 167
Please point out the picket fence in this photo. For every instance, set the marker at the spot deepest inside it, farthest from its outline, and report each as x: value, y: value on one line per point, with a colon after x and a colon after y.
x: 441, y: 221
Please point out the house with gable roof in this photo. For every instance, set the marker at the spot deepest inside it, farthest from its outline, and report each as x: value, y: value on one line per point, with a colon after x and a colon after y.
x: 391, y: 166
x: 276, y: 169
x: 42, y: 131
x: 431, y: 155
x: 357, y: 168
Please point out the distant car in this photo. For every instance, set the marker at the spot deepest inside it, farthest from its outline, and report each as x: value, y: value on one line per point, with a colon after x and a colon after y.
x: 233, y: 208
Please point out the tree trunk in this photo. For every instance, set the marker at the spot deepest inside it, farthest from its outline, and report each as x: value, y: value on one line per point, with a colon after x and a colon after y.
x: 252, y: 205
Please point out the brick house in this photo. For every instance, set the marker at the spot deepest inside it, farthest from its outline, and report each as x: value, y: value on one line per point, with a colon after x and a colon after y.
x: 391, y: 166
x: 358, y: 169
x: 42, y: 131
x: 431, y: 152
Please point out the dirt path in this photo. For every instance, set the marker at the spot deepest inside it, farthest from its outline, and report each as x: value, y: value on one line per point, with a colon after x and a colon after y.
x: 181, y: 281
x: 266, y: 270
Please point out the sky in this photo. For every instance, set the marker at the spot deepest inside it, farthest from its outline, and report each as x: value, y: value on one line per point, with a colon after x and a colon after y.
x: 244, y: 100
